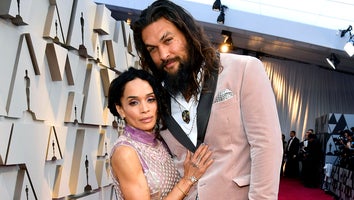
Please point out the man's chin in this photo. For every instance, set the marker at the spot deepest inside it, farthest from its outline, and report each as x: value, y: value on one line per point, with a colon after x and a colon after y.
x: 171, y: 71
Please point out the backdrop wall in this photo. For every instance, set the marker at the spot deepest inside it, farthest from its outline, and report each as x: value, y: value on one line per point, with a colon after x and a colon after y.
x: 57, y: 60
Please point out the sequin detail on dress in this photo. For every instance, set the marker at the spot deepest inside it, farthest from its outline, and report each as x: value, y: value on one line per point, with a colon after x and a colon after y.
x: 158, y: 166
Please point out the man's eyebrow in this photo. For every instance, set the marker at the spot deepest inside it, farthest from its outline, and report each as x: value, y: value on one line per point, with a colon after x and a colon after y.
x: 163, y: 37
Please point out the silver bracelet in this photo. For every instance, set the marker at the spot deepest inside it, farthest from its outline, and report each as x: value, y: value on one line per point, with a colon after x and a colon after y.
x: 193, y: 179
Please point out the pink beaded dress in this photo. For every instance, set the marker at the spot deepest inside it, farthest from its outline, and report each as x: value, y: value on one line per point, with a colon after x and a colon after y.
x: 159, y: 169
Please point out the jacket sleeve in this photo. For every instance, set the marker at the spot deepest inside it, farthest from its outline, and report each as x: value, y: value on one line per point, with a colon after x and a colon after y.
x: 261, y: 124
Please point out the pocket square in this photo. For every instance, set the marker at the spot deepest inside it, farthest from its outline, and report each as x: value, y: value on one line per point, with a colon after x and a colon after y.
x: 223, y: 96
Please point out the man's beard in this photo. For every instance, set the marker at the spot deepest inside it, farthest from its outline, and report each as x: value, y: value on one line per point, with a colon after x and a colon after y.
x: 179, y: 81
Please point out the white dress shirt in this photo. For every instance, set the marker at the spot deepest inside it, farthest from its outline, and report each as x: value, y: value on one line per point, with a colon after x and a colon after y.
x: 178, y: 105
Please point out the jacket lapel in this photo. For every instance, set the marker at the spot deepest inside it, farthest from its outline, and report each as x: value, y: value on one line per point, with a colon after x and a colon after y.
x: 203, y: 114
x: 178, y: 133
x: 204, y: 107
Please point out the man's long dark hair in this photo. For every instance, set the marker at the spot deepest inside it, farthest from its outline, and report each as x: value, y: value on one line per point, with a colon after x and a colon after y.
x: 199, y: 46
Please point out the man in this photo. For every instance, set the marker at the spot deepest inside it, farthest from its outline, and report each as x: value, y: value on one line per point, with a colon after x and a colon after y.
x: 292, y: 159
x: 312, y: 162
x: 224, y: 100
x: 303, y: 144
x: 303, y: 152
x: 284, y: 158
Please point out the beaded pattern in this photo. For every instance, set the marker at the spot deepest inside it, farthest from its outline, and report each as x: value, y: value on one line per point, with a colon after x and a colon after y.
x: 223, y: 96
x: 158, y: 166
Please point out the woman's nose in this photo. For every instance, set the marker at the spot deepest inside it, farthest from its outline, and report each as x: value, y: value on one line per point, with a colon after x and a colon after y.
x: 144, y: 107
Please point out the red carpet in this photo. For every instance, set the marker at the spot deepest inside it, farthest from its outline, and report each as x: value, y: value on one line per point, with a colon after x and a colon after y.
x: 293, y: 189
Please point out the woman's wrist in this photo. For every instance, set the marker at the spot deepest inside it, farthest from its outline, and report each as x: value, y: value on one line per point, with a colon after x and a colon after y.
x: 184, y: 185
x: 182, y: 191
x: 191, y: 180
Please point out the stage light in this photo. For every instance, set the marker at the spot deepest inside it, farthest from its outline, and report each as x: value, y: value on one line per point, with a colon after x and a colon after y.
x: 217, y: 5
x: 349, y: 47
x: 333, y: 60
x: 221, y: 17
x: 343, y: 32
x: 227, y: 45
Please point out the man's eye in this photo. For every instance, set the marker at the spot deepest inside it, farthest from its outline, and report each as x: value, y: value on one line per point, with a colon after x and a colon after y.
x: 168, y: 40
x: 151, y: 49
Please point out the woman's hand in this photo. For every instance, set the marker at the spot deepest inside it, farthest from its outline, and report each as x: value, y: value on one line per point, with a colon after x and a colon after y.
x: 196, y: 165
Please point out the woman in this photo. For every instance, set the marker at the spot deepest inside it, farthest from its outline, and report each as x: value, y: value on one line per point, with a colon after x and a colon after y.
x: 141, y: 166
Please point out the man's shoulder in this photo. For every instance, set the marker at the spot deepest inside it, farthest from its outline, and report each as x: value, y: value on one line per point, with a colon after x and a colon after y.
x: 236, y: 56
x: 231, y: 59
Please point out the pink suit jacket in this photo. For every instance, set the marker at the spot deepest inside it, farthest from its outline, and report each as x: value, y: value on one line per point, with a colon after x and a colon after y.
x: 244, y: 134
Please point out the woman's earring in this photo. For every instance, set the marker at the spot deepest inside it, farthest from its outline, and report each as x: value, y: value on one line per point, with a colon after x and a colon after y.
x: 121, y: 125
x: 115, y: 123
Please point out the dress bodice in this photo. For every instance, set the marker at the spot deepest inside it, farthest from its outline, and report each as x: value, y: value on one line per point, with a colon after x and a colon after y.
x: 159, y: 169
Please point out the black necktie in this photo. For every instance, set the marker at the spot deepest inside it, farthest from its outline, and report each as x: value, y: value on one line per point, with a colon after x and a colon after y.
x: 290, y: 143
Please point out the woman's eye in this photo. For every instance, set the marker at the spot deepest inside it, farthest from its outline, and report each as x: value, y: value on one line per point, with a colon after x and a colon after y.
x: 152, y: 99
x: 132, y: 103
